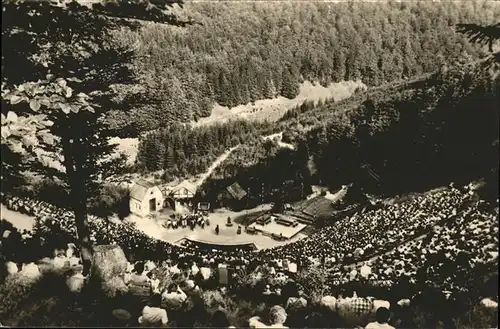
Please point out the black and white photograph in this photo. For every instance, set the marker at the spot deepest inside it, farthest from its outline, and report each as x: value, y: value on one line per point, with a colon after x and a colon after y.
x: 250, y: 164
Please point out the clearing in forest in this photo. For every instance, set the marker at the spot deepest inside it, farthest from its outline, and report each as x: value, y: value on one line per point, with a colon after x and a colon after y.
x: 274, y: 109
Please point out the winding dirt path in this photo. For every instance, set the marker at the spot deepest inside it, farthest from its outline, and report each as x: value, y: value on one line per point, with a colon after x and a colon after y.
x: 201, y: 178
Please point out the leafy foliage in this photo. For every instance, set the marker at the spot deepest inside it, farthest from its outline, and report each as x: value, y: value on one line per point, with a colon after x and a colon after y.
x: 70, y: 40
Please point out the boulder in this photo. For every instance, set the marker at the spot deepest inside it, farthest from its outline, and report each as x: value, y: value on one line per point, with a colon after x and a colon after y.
x: 109, y: 261
x: 109, y: 267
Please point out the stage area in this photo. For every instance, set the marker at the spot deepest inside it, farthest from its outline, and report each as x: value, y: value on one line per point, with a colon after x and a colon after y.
x: 227, y: 235
x: 288, y: 232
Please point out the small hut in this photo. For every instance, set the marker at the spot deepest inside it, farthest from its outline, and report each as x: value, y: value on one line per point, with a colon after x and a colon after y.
x: 233, y: 196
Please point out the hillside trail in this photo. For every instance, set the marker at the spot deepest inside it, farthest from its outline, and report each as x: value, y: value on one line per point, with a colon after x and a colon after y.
x: 201, y: 178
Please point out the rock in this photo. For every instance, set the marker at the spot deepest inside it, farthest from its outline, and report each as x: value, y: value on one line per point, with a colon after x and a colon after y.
x: 109, y: 261
x: 109, y: 266
x: 329, y: 302
x: 11, y: 268
x: 115, y: 286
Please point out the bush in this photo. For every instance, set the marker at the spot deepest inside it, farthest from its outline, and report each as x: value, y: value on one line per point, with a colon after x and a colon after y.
x: 111, y: 200
x: 44, y: 303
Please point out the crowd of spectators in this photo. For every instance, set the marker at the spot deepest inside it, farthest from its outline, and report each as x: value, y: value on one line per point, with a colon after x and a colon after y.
x: 411, y: 240
x: 377, y: 230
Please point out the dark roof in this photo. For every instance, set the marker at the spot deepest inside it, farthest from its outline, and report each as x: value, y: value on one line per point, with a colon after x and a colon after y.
x: 319, y: 206
x: 236, y: 191
x: 140, y: 188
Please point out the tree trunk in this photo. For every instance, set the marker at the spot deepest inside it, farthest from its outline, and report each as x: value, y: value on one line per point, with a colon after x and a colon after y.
x: 78, y: 199
x: 81, y: 221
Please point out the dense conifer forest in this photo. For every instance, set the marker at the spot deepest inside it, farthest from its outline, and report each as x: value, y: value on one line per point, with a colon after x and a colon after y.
x: 413, y: 136
x: 180, y: 150
x: 239, y: 52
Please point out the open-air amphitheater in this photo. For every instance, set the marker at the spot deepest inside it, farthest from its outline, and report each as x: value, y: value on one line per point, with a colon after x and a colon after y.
x: 441, y: 246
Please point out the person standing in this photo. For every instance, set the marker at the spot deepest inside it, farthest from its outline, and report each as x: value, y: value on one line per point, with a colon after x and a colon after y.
x: 217, y: 229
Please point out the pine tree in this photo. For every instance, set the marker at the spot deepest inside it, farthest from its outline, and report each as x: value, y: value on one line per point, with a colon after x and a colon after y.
x: 290, y: 87
x: 169, y: 161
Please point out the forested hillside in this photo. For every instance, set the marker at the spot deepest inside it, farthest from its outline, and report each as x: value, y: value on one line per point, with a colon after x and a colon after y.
x: 239, y: 52
x: 397, y: 139
x: 180, y: 150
